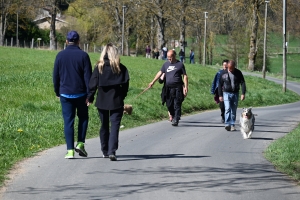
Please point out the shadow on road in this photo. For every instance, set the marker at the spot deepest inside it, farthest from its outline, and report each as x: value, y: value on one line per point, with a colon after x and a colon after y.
x: 237, y: 179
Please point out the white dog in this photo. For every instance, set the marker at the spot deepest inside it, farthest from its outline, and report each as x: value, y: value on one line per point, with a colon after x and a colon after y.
x: 247, y: 121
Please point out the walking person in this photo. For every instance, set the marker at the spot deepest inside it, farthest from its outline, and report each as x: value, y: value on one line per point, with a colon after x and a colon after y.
x: 164, y: 53
x: 71, y: 76
x: 173, y: 95
x: 148, y: 51
x: 229, y: 85
x: 156, y: 53
x: 111, y: 79
x: 214, y: 90
x: 192, y: 57
x: 181, y: 55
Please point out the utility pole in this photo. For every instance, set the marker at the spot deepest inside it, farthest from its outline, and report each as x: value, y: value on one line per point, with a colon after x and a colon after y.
x: 265, y: 40
x: 204, y: 45
x: 284, y: 46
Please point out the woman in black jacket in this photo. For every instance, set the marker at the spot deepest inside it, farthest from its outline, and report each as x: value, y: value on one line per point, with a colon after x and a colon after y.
x: 111, y: 79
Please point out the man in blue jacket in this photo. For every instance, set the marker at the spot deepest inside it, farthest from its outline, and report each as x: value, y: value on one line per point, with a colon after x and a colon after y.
x: 214, y: 89
x: 71, y: 76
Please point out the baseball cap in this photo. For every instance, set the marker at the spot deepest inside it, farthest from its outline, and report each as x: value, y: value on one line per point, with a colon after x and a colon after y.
x: 72, y: 36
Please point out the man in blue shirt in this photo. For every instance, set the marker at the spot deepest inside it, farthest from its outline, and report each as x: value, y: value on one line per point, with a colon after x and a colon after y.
x: 71, y: 76
x: 214, y: 89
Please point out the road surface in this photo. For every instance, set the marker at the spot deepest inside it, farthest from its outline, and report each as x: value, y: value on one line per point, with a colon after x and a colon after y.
x: 199, y: 159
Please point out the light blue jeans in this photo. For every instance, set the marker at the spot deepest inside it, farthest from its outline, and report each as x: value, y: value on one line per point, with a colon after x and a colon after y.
x: 231, y: 104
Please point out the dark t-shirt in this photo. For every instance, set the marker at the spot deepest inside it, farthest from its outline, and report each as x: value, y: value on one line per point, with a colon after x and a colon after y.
x: 174, y: 72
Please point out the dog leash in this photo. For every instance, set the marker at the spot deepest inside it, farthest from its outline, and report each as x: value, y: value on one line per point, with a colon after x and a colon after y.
x: 142, y: 92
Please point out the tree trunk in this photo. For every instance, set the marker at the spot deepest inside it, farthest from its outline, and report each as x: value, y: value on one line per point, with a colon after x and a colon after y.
x: 182, y: 26
x: 3, y: 23
x: 127, y: 52
x: 53, y: 39
x: 160, y: 29
x: 253, y: 36
x: 182, y: 34
x: 152, y: 33
x: 137, y: 45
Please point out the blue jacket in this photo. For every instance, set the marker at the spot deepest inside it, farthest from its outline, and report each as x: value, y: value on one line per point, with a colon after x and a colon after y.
x: 72, y: 71
x: 215, y: 83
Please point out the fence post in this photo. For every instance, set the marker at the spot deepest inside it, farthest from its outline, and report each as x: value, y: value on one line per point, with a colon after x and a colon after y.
x: 87, y: 48
x: 32, y: 41
x: 6, y: 42
x: 11, y: 41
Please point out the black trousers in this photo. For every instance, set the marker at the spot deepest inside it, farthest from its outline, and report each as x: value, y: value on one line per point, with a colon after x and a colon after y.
x: 222, y: 108
x: 109, y: 136
x: 174, y: 102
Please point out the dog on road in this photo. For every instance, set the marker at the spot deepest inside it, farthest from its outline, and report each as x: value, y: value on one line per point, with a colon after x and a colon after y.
x: 247, y: 121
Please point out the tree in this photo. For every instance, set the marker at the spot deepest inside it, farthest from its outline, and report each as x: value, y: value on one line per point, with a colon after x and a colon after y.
x: 5, y: 5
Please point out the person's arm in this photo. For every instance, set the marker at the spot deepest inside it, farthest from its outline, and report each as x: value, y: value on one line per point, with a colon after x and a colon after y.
x: 220, y: 91
x: 56, y: 78
x: 243, y: 86
x: 157, y: 76
x: 185, y: 81
x: 87, y: 71
x: 214, y: 83
x: 125, y: 88
x: 162, y: 78
x: 93, y: 86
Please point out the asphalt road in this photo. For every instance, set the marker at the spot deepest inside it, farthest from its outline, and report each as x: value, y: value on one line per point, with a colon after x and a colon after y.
x: 198, y: 159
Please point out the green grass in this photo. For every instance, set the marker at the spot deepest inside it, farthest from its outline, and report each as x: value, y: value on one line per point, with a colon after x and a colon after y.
x: 30, y: 114
x: 284, y: 153
x: 293, y: 69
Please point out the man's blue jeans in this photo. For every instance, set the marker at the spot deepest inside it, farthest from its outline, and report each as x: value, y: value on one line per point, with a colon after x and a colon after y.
x: 231, y: 104
x: 69, y: 108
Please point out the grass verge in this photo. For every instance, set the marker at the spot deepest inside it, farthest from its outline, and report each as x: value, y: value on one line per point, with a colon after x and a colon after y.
x: 284, y: 153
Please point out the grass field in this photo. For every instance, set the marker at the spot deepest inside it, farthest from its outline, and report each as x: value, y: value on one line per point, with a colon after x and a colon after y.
x: 31, y: 115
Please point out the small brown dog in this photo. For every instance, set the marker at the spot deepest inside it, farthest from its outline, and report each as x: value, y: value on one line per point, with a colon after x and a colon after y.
x: 127, y: 109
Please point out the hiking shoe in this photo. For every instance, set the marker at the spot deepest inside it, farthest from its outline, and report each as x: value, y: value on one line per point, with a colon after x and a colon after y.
x: 232, y: 128
x: 113, y: 157
x: 227, y: 128
x: 174, y: 122
x: 80, y: 149
x: 105, y: 156
x: 70, y: 154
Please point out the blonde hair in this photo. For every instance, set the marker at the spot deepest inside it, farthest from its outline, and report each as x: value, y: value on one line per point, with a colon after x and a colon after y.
x: 113, y: 56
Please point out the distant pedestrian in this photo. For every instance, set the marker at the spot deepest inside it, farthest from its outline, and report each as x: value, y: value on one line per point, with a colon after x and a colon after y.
x: 111, y: 79
x: 71, y: 76
x: 148, y: 51
x: 156, y: 53
x: 214, y: 89
x: 181, y: 55
x: 228, y: 88
x: 164, y: 53
x: 192, y: 57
